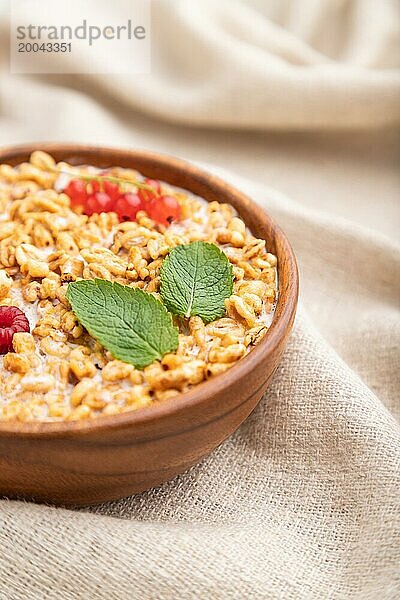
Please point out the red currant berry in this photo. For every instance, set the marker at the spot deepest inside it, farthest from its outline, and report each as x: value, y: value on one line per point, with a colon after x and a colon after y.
x: 112, y: 190
x: 98, y: 203
x: 148, y: 195
x: 76, y: 190
x: 164, y: 210
x: 127, y: 206
x: 12, y: 320
x: 95, y: 186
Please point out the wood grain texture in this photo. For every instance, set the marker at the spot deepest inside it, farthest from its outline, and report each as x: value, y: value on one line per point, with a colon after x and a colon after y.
x: 92, y: 461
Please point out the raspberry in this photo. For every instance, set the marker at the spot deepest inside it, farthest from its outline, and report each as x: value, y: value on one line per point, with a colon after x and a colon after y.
x: 12, y: 320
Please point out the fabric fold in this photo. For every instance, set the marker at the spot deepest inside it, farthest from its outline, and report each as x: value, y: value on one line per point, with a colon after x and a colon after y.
x: 258, y: 65
x: 304, y: 497
x: 301, y: 502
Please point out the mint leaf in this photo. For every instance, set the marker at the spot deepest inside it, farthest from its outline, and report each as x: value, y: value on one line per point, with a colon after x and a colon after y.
x: 133, y: 325
x: 195, y: 280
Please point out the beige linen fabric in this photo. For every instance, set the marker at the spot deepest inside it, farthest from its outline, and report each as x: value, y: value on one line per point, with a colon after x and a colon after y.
x: 303, y: 501
x: 276, y: 64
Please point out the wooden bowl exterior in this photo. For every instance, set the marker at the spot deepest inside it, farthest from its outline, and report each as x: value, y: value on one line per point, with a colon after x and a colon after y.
x: 92, y: 461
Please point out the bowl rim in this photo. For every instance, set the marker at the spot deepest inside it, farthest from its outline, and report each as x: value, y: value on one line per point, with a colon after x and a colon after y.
x: 284, y: 312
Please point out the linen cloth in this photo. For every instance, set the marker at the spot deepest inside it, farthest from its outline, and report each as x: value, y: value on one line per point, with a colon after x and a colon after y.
x: 302, y: 501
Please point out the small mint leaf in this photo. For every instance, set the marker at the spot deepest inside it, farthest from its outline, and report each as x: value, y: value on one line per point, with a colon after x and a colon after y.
x: 196, y: 279
x: 132, y: 324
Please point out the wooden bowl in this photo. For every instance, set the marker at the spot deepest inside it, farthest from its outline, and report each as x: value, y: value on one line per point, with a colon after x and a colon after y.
x: 92, y: 461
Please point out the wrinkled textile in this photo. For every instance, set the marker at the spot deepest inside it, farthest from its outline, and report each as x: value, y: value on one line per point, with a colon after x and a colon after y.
x: 302, y: 502
x: 276, y: 64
